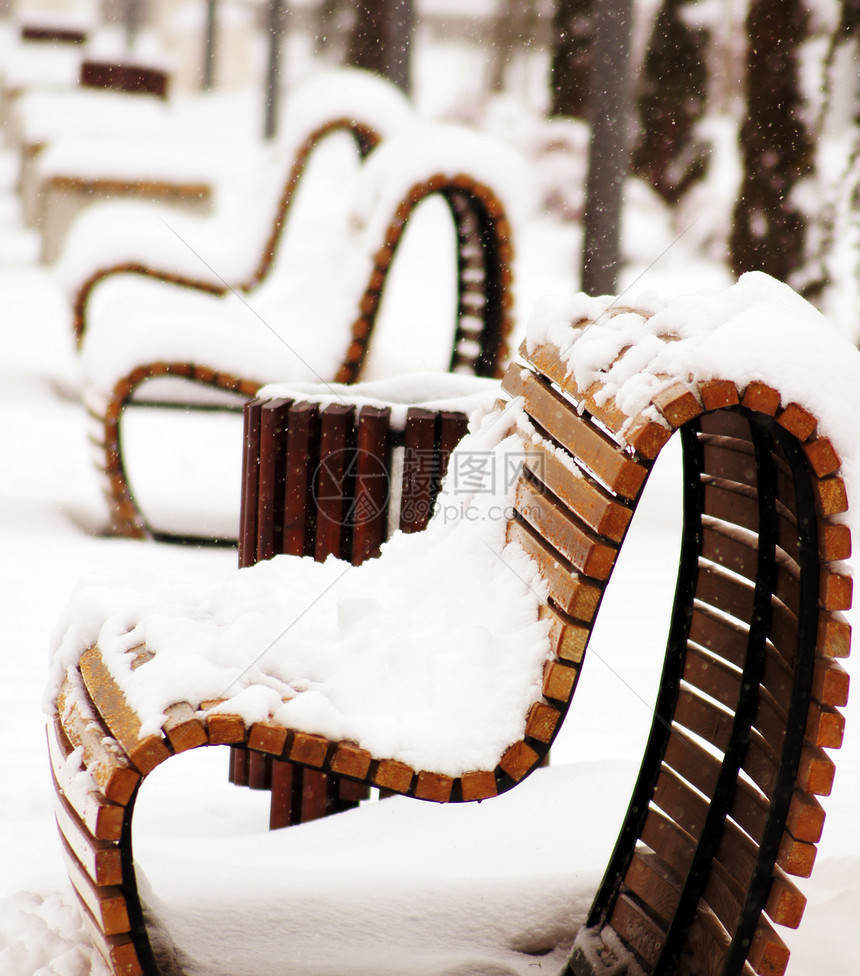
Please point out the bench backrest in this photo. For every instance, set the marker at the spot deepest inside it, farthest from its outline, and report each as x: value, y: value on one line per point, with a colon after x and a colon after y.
x: 724, y: 810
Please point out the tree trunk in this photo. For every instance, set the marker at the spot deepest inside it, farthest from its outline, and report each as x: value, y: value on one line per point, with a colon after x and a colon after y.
x: 671, y: 100
x: 382, y: 39
x: 569, y: 71
x: 768, y: 230
x: 608, y: 158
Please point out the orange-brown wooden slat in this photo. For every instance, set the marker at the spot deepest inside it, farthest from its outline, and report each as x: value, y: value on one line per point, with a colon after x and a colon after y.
x: 647, y: 436
x: 572, y: 594
x: 101, y: 754
x: 590, y: 554
x: 118, y: 951
x: 122, y: 721
x: 558, y: 417
x: 579, y: 493
x: 107, y: 904
x: 102, y: 819
x: 101, y: 859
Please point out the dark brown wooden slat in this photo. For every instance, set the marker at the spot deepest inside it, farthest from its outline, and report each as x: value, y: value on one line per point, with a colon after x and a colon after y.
x: 638, y: 929
x: 239, y: 765
x: 372, y: 488
x: 250, y: 483
x: 733, y: 503
x: 726, y: 423
x: 718, y: 589
x: 418, y: 469
x: 281, y: 805
x: 337, y: 423
x: 271, y: 477
x: 730, y: 459
x: 730, y: 551
x: 259, y: 771
x: 452, y: 428
x: 558, y: 417
x: 303, y: 452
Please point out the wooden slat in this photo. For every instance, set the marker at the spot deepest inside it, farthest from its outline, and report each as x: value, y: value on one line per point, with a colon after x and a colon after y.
x: 144, y: 753
x: 333, y: 492
x: 102, y: 819
x: 567, y: 638
x: 768, y: 954
x: 302, y: 459
x: 418, y: 469
x: 582, y: 495
x: 575, y: 596
x: 101, y: 753
x: 647, y: 437
x: 724, y: 592
x: 678, y: 404
x: 107, y: 904
x: 101, y: 859
x: 250, y: 483
x: 118, y: 951
x: 259, y: 770
x: 271, y: 477
x: 590, y: 554
x: 558, y: 417
x: 372, y: 486
x: 453, y: 426
x: 281, y: 804
x: 730, y: 551
x: 638, y: 929
x: 184, y: 728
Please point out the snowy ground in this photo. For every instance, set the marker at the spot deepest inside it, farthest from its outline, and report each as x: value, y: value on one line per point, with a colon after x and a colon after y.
x: 400, y: 887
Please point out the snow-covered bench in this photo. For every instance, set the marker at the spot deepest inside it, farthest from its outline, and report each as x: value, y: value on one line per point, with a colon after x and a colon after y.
x: 155, y: 341
x: 386, y: 674
x: 82, y: 147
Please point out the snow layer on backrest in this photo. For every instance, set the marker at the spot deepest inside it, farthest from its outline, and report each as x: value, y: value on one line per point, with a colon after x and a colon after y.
x: 757, y: 329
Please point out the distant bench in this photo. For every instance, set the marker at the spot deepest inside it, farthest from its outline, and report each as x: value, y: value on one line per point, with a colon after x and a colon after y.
x: 725, y: 809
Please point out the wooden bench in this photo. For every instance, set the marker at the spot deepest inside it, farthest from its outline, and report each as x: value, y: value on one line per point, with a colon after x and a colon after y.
x: 725, y: 809
x: 484, y: 315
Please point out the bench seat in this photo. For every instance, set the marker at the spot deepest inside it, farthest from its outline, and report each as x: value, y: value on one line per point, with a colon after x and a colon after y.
x: 725, y: 810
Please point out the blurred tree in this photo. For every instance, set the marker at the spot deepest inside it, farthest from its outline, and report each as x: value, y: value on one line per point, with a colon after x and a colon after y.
x: 382, y: 39
x: 609, y: 110
x: 571, y: 49
x: 767, y: 228
x: 670, y: 100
